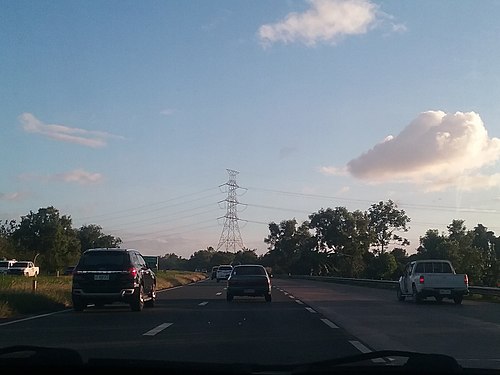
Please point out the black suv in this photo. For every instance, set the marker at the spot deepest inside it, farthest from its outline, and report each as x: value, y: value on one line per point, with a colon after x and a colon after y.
x: 108, y: 275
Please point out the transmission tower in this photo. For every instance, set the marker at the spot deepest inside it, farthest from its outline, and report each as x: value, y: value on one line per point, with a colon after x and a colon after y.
x: 230, y: 237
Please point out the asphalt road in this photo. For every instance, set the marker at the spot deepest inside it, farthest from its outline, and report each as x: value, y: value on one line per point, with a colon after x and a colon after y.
x: 307, y: 321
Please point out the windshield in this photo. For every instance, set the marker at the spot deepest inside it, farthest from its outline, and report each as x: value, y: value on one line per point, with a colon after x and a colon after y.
x: 335, y: 143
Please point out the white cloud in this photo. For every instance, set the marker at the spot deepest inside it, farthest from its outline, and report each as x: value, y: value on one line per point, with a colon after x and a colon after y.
x: 167, y: 112
x: 332, y: 171
x: 12, y: 196
x: 436, y: 150
x: 79, y: 176
x: 64, y: 133
x: 325, y: 21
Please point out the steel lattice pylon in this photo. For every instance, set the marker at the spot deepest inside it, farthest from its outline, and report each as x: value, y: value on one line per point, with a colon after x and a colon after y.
x: 230, y: 237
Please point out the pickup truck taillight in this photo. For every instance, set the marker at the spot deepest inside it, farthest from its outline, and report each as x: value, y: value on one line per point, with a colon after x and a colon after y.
x: 421, y: 279
x: 466, y: 280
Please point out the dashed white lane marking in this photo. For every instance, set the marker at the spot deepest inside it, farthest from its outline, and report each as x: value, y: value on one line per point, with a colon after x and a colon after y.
x: 299, y: 301
x: 158, y: 329
x: 203, y: 303
x: 290, y: 296
x: 311, y: 310
x: 329, y: 323
x: 218, y: 293
x: 364, y: 349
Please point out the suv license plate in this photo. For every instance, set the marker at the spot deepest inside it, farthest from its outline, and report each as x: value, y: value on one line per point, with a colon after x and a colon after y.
x: 444, y: 291
x: 101, y: 277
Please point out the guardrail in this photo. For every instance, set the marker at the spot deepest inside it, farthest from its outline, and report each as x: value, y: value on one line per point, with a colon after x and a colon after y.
x: 388, y: 284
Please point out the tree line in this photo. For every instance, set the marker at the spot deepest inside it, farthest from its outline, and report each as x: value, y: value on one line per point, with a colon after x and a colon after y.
x: 49, y: 238
x: 332, y: 242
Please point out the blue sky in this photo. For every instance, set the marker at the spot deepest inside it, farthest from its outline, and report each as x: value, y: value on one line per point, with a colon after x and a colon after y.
x: 127, y: 114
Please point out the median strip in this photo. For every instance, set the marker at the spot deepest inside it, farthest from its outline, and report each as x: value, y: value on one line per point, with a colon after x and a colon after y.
x: 158, y: 329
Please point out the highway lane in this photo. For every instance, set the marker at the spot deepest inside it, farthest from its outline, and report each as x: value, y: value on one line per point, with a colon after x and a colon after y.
x: 193, y: 323
x: 469, y: 332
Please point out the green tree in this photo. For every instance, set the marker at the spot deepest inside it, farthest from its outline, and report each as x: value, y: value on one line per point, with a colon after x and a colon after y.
x: 246, y: 256
x: 172, y: 262
x: 91, y: 236
x: 386, y: 221
x: 346, y: 234
x: 288, y: 247
x: 49, y: 235
x: 7, y: 248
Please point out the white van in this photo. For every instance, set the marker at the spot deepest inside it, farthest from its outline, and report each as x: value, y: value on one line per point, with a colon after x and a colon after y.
x: 224, y: 271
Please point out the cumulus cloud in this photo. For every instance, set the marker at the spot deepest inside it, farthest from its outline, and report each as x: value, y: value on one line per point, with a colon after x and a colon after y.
x: 65, y: 133
x: 437, y: 150
x: 325, y: 21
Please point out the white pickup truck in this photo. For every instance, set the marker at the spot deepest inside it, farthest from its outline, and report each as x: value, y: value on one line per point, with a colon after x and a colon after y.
x: 23, y: 268
x: 432, y: 278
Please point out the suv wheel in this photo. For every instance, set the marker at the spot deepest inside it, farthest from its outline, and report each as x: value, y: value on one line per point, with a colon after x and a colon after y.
x: 268, y: 297
x: 137, y: 303
x: 78, y: 304
x: 152, y: 297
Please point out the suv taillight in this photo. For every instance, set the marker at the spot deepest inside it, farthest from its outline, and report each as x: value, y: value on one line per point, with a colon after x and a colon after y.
x: 132, y: 272
x: 421, y: 279
x: 466, y: 280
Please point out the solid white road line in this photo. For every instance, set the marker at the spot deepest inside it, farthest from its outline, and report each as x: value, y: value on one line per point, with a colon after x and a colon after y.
x: 311, y: 310
x: 364, y: 349
x: 329, y: 323
x: 158, y: 329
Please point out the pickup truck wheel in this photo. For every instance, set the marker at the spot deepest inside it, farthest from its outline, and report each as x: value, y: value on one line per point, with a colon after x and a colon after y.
x: 400, y: 296
x: 416, y: 297
x: 458, y: 300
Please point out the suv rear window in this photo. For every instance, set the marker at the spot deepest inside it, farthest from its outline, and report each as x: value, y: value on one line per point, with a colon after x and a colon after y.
x: 225, y: 268
x: 110, y: 260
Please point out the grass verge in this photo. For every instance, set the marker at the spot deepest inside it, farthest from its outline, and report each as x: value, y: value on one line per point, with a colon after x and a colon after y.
x: 19, y: 295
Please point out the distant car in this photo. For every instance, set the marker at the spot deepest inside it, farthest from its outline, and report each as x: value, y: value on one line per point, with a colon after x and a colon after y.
x: 223, y: 272
x: 214, y: 272
x: 249, y: 280
x: 104, y: 276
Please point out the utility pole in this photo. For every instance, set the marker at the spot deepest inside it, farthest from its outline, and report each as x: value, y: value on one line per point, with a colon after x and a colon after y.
x: 230, y: 237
